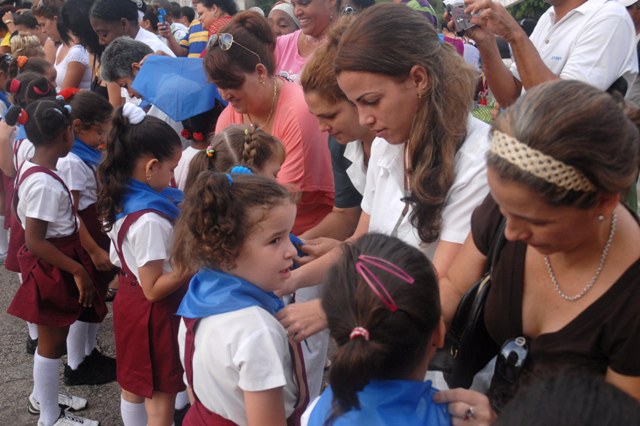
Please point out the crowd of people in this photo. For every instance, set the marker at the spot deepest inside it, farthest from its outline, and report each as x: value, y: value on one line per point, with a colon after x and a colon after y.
x: 247, y: 187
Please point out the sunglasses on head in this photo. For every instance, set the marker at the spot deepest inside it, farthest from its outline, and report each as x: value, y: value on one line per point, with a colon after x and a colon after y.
x: 225, y: 41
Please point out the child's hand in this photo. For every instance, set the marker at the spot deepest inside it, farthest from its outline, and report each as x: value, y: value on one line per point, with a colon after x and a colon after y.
x: 85, y: 287
x: 100, y: 259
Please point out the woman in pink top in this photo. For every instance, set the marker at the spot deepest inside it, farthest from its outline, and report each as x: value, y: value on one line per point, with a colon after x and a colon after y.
x: 241, y: 63
x: 293, y: 50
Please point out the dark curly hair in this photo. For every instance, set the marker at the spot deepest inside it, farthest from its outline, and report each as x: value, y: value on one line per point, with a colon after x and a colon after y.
x: 47, y: 119
x: 216, y: 219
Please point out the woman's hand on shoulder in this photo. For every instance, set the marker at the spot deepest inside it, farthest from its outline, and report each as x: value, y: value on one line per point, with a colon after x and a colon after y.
x: 466, y: 407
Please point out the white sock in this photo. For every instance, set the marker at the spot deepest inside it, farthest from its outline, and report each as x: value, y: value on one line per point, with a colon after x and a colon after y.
x: 75, y: 343
x: 33, y: 330
x: 4, y: 238
x: 132, y: 414
x: 46, y: 385
x: 92, y: 334
x: 182, y: 399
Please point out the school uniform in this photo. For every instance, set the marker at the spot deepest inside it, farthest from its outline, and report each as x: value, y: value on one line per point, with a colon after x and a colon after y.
x: 8, y: 182
x: 145, y: 332
x: 230, y: 342
x: 49, y: 296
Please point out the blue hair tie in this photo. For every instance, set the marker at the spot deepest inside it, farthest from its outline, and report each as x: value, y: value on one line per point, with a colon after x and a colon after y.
x: 241, y: 170
x: 230, y: 179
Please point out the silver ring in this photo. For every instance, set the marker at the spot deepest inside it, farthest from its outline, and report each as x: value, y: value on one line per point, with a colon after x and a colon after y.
x: 470, y: 414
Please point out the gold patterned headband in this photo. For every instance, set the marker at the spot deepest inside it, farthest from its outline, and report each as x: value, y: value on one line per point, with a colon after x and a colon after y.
x: 538, y: 164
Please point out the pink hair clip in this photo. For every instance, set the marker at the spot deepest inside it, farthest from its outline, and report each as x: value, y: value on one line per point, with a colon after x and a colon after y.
x: 362, y: 267
x: 359, y: 332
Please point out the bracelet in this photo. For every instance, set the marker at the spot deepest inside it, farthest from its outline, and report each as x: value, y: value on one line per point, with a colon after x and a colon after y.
x: 8, y: 21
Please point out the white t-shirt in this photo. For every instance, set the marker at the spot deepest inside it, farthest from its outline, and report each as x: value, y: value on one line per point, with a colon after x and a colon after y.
x: 148, y: 239
x: 593, y: 43
x: 385, y: 189
x: 151, y: 40
x: 76, y: 53
x: 25, y: 152
x: 243, y: 350
x: 357, y: 171
x: 42, y: 197
x: 182, y: 169
x: 79, y: 177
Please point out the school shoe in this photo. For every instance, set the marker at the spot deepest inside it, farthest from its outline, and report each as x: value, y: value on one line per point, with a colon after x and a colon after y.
x: 178, y: 415
x: 67, y: 419
x: 32, y: 344
x: 66, y: 402
x: 95, y: 369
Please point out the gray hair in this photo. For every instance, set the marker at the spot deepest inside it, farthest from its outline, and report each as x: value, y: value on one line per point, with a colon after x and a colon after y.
x: 119, y: 55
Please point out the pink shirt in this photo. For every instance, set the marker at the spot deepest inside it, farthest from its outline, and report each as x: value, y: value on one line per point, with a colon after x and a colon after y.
x: 289, y: 63
x: 307, y: 168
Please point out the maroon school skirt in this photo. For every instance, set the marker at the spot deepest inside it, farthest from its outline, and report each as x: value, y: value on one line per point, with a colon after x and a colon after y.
x: 147, y: 340
x: 90, y: 219
x: 49, y: 296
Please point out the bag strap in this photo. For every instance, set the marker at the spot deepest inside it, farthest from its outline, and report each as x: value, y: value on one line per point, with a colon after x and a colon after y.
x: 497, y: 243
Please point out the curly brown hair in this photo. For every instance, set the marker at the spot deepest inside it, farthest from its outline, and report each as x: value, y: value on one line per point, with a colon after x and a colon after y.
x: 215, y: 219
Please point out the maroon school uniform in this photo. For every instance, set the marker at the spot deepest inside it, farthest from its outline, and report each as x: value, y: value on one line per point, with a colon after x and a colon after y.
x: 90, y: 219
x: 146, y: 332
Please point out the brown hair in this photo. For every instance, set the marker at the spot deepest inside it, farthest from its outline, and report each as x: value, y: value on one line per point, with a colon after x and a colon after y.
x: 319, y: 74
x: 578, y: 125
x: 238, y: 144
x: 215, y: 218
x: 398, y: 340
x: 47, y: 8
x: 390, y: 39
x: 227, y: 69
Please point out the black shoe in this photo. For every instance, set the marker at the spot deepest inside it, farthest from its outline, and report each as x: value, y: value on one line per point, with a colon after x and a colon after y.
x: 32, y: 344
x: 178, y: 415
x: 95, y: 369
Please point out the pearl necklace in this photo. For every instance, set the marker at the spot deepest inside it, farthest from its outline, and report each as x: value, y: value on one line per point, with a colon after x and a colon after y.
x: 590, y: 284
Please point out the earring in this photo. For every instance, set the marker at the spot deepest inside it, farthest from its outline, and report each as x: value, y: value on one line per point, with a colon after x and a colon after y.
x: 600, y: 217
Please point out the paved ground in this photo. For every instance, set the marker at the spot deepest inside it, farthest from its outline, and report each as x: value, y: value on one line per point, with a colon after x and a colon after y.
x: 16, y: 369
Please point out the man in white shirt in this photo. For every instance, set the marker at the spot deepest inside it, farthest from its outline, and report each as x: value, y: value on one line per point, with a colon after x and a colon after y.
x: 590, y: 41
x: 633, y: 8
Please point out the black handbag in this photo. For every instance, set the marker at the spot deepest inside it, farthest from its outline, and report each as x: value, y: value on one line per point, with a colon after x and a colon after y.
x: 468, y: 346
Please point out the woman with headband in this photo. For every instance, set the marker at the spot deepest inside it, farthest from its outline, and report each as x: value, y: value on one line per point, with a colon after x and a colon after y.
x: 282, y: 19
x: 568, y: 276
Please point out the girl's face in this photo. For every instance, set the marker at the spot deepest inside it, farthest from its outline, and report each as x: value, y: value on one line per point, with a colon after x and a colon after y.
x: 160, y: 173
x: 281, y: 23
x: 339, y: 119
x: 272, y: 167
x: 108, y: 31
x: 49, y: 28
x: 384, y: 104
x: 95, y: 135
x: 314, y: 15
x: 266, y: 256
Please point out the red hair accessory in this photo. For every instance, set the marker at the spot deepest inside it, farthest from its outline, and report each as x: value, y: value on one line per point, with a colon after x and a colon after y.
x: 362, y: 266
x: 199, y: 136
x: 186, y: 134
x: 359, y: 332
x: 68, y: 93
x: 37, y: 90
x: 23, y: 117
x: 22, y: 61
x: 14, y: 86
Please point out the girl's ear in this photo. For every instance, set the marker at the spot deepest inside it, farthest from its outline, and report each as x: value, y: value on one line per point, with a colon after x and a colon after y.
x: 77, y: 126
x: 150, y: 167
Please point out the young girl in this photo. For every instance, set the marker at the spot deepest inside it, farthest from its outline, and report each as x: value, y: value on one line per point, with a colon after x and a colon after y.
x: 57, y: 288
x: 383, y: 309
x: 90, y: 121
x: 239, y: 144
x: 137, y: 208
x: 233, y: 231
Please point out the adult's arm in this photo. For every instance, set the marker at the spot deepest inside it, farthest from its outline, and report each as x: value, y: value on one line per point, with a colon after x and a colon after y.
x: 629, y: 384
x: 339, y: 224
x: 74, y: 74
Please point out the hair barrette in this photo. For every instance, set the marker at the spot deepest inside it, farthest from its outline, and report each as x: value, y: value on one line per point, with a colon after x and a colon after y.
x: 23, y: 117
x: 210, y: 151
x: 22, y: 61
x: 198, y: 136
x: 185, y: 134
x: 362, y: 267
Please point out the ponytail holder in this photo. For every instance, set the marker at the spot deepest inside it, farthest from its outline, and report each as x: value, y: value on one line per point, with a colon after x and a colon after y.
x: 23, y: 117
x: 68, y: 93
x: 133, y: 113
x: 198, y: 136
x: 186, y: 134
x: 22, y: 61
x: 210, y: 151
x: 39, y: 92
x: 68, y: 108
x: 14, y: 86
x: 359, y: 332
x: 230, y: 179
x: 241, y: 170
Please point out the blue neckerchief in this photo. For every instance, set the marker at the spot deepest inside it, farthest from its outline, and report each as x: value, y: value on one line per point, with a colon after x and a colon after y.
x: 89, y: 155
x: 213, y: 292
x: 297, y: 243
x: 140, y: 196
x: 22, y: 133
x: 387, y: 402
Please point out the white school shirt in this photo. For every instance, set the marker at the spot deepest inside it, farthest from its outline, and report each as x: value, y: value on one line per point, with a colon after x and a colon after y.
x: 76, y: 53
x: 243, y: 350
x: 182, y: 169
x: 385, y: 189
x: 151, y: 40
x: 357, y: 171
x: 25, y: 152
x: 593, y: 43
x: 42, y: 197
x: 79, y: 176
x: 149, y: 238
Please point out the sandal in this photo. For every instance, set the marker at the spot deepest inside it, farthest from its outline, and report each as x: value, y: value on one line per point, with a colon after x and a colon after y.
x: 111, y: 294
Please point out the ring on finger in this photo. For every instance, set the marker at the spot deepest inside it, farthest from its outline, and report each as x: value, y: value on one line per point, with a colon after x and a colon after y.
x: 469, y: 414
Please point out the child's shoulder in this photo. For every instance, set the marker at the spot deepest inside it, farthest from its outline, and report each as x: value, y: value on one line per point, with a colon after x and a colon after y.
x: 246, y: 324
